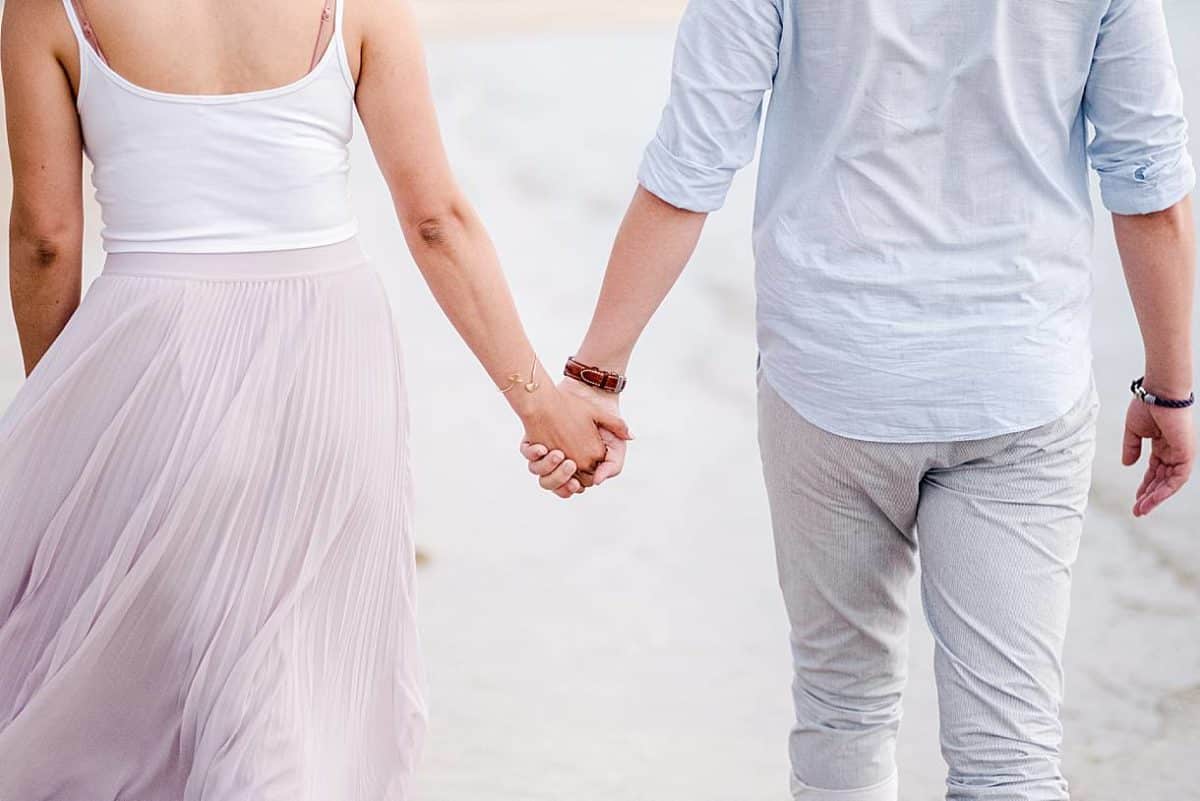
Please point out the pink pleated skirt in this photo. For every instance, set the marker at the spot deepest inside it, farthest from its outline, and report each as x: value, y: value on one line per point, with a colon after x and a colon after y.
x: 206, y: 568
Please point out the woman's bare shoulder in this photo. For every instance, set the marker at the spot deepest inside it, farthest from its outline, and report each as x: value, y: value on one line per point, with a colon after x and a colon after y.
x: 37, y: 26
x: 373, y: 18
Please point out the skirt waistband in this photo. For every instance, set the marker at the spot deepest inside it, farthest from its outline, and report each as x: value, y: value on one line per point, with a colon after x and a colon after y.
x: 268, y: 265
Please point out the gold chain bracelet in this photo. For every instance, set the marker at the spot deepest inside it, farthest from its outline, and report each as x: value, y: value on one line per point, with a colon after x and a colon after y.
x: 516, y: 379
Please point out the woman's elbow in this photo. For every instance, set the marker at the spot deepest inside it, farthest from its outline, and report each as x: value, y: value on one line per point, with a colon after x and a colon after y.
x: 435, y: 232
x: 437, y: 226
x: 44, y: 241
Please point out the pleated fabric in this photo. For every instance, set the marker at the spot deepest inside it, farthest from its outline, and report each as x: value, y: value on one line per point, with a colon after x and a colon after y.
x: 206, y: 569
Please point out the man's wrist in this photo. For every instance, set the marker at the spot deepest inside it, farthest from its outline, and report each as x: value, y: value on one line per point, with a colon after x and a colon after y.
x: 612, y: 361
x: 595, y: 377
x: 581, y: 390
x: 1164, y: 386
x: 1147, y: 395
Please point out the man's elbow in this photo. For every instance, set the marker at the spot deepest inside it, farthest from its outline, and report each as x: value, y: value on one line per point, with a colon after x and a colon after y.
x: 1175, y: 219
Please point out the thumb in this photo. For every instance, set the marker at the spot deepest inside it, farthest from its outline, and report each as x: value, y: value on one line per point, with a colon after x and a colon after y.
x: 1131, y: 448
x: 614, y: 424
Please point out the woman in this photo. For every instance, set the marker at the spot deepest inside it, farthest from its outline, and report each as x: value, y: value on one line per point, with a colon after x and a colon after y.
x: 206, y: 569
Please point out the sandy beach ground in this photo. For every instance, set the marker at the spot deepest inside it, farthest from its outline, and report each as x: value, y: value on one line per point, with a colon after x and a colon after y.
x: 631, y: 645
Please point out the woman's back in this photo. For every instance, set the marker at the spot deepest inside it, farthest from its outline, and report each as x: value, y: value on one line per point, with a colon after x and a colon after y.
x: 213, y: 127
x: 209, y: 46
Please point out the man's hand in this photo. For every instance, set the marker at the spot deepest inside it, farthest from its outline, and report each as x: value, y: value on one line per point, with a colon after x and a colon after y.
x: 1172, y: 451
x: 574, y: 426
x: 556, y: 472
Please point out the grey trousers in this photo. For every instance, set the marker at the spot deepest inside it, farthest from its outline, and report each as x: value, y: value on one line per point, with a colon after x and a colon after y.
x: 998, y: 522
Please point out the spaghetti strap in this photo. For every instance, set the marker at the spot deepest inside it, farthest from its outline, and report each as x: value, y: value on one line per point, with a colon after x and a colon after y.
x: 327, y: 13
x: 83, y: 27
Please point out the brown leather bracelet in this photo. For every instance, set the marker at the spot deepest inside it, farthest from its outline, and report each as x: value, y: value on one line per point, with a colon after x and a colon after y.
x: 594, y: 376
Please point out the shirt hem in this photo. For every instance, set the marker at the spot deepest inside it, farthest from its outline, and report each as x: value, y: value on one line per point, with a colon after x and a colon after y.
x: 813, y: 415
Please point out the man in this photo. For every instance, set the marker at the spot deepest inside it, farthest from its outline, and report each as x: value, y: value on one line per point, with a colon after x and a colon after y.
x: 922, y: 240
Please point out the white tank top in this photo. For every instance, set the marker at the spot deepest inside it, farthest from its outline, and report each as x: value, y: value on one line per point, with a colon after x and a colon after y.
x: 249, y: 171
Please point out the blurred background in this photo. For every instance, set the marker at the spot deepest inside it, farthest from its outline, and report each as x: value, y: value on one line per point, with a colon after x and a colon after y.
x: 631, y: 645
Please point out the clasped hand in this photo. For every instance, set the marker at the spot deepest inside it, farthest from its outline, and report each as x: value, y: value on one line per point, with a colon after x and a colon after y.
x: 575, y: 441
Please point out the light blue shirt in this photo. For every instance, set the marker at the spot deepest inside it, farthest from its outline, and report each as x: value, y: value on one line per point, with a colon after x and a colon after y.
x: 923, y: 225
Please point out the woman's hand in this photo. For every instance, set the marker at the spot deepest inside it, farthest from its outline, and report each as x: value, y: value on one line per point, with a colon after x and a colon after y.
x: 580, y: 432
x: 555, y: 471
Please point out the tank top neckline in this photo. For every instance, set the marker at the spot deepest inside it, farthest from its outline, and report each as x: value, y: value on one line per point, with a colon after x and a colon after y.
x: 332, y: 49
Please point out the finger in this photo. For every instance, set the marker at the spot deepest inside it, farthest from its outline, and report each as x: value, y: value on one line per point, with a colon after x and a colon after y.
x: 1151, y: 475
x: 559, y: 476
x: 533, y: 452
x: 586, y: 478
x: 1161, y: 492
x: 547, y: 464
x: 572, y: 487
x: 1155, y: 476
x: 1169, y: 481
x: 605, y: 471
x: 1141, y: 506
x: 613, y: 423
x: 1131, y: 448
x: 614, y: 461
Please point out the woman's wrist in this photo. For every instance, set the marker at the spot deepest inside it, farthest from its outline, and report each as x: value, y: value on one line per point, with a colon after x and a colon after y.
x: 530, y: 399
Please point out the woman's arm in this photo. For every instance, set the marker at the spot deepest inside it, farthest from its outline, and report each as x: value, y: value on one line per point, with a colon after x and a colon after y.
x: 446, y: 237
x: 45, y: 145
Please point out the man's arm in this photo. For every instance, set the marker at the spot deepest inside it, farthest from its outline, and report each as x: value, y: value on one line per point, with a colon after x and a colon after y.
x: 726, y: 57
x: 1134, y: 101
x: 653, y: 245
x: 1158, y: 252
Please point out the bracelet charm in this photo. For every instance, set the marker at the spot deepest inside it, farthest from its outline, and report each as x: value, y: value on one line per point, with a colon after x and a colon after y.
x: 516, y: 380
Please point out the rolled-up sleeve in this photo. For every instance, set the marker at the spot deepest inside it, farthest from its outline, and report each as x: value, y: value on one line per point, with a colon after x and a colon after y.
x: 726, y: 57
x: 1135, y: 104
